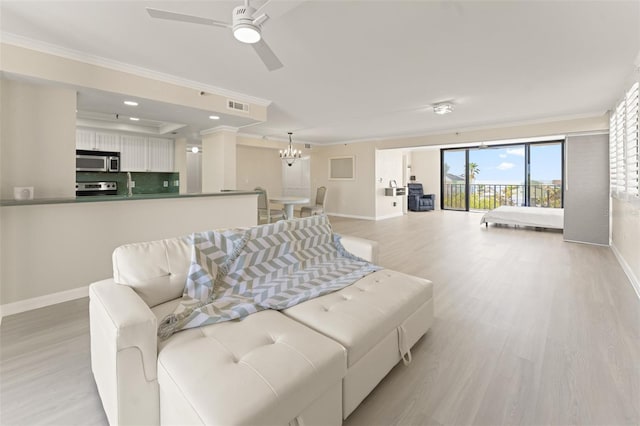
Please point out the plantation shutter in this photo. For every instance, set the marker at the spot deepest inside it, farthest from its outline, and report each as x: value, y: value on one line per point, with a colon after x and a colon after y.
x: 613, y: 141
x: 620, y: 157
x: 631, y: 140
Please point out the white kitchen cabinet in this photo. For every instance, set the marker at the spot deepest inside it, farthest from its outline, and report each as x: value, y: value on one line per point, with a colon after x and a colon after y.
x: 161, y: 155
x: 85, y: 139
x: 134, y: 153
x: 137, y: 153
x: 107, y: 142
x: 93, y: 140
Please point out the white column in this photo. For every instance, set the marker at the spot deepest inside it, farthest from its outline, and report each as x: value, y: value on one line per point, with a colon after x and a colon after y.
x: 219, y: 159
x: 180, y: 162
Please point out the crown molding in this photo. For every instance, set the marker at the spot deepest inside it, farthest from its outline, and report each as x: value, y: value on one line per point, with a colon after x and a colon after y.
x: 495, y: 126
x: 219, y: 129
x: 53, y: 49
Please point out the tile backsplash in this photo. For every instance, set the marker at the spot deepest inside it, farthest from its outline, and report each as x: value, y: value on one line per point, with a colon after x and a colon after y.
x: 145, y: 182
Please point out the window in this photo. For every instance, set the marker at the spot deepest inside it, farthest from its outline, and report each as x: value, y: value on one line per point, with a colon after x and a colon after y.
x: 624, y: 135
x: 631, y: 140
x: 483, y: 178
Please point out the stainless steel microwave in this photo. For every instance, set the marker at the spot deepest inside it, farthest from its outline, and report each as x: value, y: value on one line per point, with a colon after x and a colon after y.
x: 97, y: 161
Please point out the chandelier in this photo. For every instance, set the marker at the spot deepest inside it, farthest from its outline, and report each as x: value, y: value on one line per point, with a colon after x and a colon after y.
x: 290, y: 155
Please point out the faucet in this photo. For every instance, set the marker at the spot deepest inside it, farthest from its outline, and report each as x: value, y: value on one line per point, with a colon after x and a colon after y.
x: 129, y: 191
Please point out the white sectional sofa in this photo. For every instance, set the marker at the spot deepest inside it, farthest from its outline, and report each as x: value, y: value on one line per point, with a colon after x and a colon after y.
x: 311, y: 364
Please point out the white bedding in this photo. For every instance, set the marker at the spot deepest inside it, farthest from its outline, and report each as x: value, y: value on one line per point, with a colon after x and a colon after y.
x: 526, y: 216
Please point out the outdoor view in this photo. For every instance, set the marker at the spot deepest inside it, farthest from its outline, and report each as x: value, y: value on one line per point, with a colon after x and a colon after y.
x: 498, y: 177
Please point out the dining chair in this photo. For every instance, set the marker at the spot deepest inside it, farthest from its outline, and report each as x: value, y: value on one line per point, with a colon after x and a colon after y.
x: 318, y: 207
x: 264, y: 212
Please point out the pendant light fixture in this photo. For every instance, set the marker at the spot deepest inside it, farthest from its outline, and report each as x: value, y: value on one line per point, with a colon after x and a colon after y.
x: 290, y: 155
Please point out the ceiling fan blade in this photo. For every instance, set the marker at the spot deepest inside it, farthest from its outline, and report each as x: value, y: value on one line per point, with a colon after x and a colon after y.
x: 269, y: 58
x: 173, y: 16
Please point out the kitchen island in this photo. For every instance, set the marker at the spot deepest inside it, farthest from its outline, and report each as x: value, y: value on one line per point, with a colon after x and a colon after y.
x: 103, y: 198
x: 52, y: 249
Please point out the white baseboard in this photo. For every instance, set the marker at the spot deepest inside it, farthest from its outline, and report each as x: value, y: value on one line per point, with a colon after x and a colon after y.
x: 627, y: 270
x: 351, y: 216
x: 389, y: 216
x: 42, y: 301
x: 583, y: 242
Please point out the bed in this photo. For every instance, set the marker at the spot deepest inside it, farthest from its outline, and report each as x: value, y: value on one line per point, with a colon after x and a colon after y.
x: 539, y: 217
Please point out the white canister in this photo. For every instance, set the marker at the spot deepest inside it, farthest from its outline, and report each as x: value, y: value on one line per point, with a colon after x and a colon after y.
x: 23, y: 192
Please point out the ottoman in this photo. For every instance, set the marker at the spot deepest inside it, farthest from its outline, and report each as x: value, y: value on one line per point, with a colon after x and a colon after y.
x: 377, y: 320
x: 266, y: 369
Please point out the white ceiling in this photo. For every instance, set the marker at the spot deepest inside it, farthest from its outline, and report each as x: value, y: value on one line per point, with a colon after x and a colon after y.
x: 357, y: 70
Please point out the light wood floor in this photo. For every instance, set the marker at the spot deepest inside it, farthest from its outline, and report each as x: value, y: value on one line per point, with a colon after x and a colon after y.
x: 529, y: 330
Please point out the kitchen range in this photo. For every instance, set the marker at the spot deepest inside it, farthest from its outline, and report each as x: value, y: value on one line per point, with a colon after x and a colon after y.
x: 96, y: 188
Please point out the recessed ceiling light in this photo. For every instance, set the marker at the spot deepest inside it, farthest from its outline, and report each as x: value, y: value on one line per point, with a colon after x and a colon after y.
x: 131, y: 103
x: 443, y: 108
x: 214, y: 117
x: 134, y: 119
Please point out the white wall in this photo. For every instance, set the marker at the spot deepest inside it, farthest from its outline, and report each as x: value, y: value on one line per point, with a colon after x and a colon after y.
x: 194, y: 173
x: 625, y: 227
x: 218, y: 161
x: 257, y: 166
x: 53, y: 248
x: 388, y: 167
x: 37, y: 139
x: 625, y: 224
x: 425, y: 166
x: 351, y: 198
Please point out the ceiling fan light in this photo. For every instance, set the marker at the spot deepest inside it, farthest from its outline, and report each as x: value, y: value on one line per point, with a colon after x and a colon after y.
x: 246, y: 33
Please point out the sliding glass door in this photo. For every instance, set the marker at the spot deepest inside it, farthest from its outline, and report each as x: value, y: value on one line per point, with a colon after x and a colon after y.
x: 545, y: 175
x: 496, y: 177
x: 484, y: 178
x: 454, y: 188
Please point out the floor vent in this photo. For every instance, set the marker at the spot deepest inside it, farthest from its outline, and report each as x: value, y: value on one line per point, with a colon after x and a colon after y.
x: 237, y: 106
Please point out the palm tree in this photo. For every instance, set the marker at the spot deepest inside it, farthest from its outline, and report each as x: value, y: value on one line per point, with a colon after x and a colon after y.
x: 473, y: 171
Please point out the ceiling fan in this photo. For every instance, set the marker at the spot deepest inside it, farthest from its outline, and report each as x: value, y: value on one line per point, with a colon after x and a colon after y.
x: 246, y: 24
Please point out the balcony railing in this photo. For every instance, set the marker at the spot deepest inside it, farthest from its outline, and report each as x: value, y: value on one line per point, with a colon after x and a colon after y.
x: 490, y: 196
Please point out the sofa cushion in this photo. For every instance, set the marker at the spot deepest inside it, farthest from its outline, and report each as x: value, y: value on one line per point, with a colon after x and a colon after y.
x: 156, y: 270
x: 264, y: 369
x: 361, y: 315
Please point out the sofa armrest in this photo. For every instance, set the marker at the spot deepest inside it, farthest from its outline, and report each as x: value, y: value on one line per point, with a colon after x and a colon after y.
x: 361, y: 247
x: 124, y: 354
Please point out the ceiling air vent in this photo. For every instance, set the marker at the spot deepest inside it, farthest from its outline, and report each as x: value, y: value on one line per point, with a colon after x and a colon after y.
x: 237, y: 106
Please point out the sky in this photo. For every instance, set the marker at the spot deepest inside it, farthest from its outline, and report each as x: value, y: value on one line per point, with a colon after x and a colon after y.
x: 506, y: 164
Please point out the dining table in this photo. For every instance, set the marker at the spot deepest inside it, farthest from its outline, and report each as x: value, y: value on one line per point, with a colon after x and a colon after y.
x: 288, y: 202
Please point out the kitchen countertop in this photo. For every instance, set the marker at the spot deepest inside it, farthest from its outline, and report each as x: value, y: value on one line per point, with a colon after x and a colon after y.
x: 107, y: 198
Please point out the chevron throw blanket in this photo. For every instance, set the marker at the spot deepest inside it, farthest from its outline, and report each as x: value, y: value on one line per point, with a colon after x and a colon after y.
x: 238, y: 272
